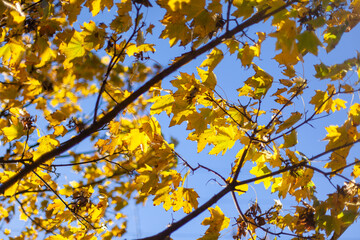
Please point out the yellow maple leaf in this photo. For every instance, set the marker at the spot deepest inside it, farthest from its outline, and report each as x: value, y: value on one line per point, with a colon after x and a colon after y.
x: 60, y: 130
x: 337, y: 104
x: 354, y: 114
x: 133, y: 49
x: 56, y: 118
x: 213, y: 59
x: 323, y: 102
x: 290, y: 140
x: 288, y: 58
x: 12, y: 52
x: 248, y: 53
x: 67, y: 191
x: 241, y: 189
x: 96, y: 5
x: 122, y: 22
x: 190, y: 200
x: 33, y: 87
x: 189, y: 7
x: 74, y: 49
x: 217, y: 222
x: 261, y: 170
x: 93, y: 35
x: 57, y: 206
x: 356, y: 171
x: 223, y: 139
x: 46, y: 54
x: 56, y: 237
x: 337, y: 137
x: 176, y: 29
x: 15, y: 131
x: 233, y: 45
x: 46, y: 144
x: 260, y: 82
x: 294, y: 118
x: 136, y: 139
x: 16, y: 18
x: 275, y: 160
x: 161, y: 104
x: 244, y: 9
x: 208, y: 78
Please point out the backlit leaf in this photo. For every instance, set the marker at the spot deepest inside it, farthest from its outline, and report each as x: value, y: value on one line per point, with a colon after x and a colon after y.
x: 290, y: 140
x: 288, y: 123
x: 213, y: 59
x: 217, y: 222
x: 74, y: 49
x: 46, y: 144
x: 308, y: 41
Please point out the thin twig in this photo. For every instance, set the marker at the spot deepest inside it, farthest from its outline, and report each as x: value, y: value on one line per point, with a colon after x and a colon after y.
x: 77, y: 216
x: 31, y: 219
x: 114, y: 61
x: 237, y: 206
x: 228, y: 15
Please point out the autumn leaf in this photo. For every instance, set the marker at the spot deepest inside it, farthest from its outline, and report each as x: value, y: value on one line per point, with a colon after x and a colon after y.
x: 56, y: 206
x: 247, y: 54
x: 338, y: 136
x: 56, y: 237
x: 93, y: 36
x: 356, y: 170
x: 96, y: 5
x: 208, y: 78
x: 15, y: 131
x: 261, y: 170
x: 323, y: 102
x: 133, y: 49
x: 190, y: 7
x: 56, y: 118
x: 190, y: 200
x: 73, y: 49
x: 308, y: 41
x: 176, y: 29
x: 241, y: 189
x: 46, y: 144
x: 333, y: 36
x: 217, y: 222
x: 5, y: 176
x: 12, y: 52
x: 288, y: 123
x: 290, y: 140
x: 354, y: 114
x: 213, y: 59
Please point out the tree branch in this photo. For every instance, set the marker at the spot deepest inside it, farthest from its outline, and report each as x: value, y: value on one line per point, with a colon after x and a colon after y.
x: 176, y: 225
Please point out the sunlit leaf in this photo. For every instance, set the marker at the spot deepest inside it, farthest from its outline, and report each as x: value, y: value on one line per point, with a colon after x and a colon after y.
x: 213, y: 59
x: 75, y: 48
x: 290, y: 140
x: 217, y: 222
x: 288, y: 123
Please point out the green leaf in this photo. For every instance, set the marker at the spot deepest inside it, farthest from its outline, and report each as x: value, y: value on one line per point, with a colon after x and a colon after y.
x: 290, y: 140
x: 333, y: 36
x: 308, y: 41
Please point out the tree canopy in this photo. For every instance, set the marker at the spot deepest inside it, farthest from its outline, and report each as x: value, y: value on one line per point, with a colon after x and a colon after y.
x: 86, y: 106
